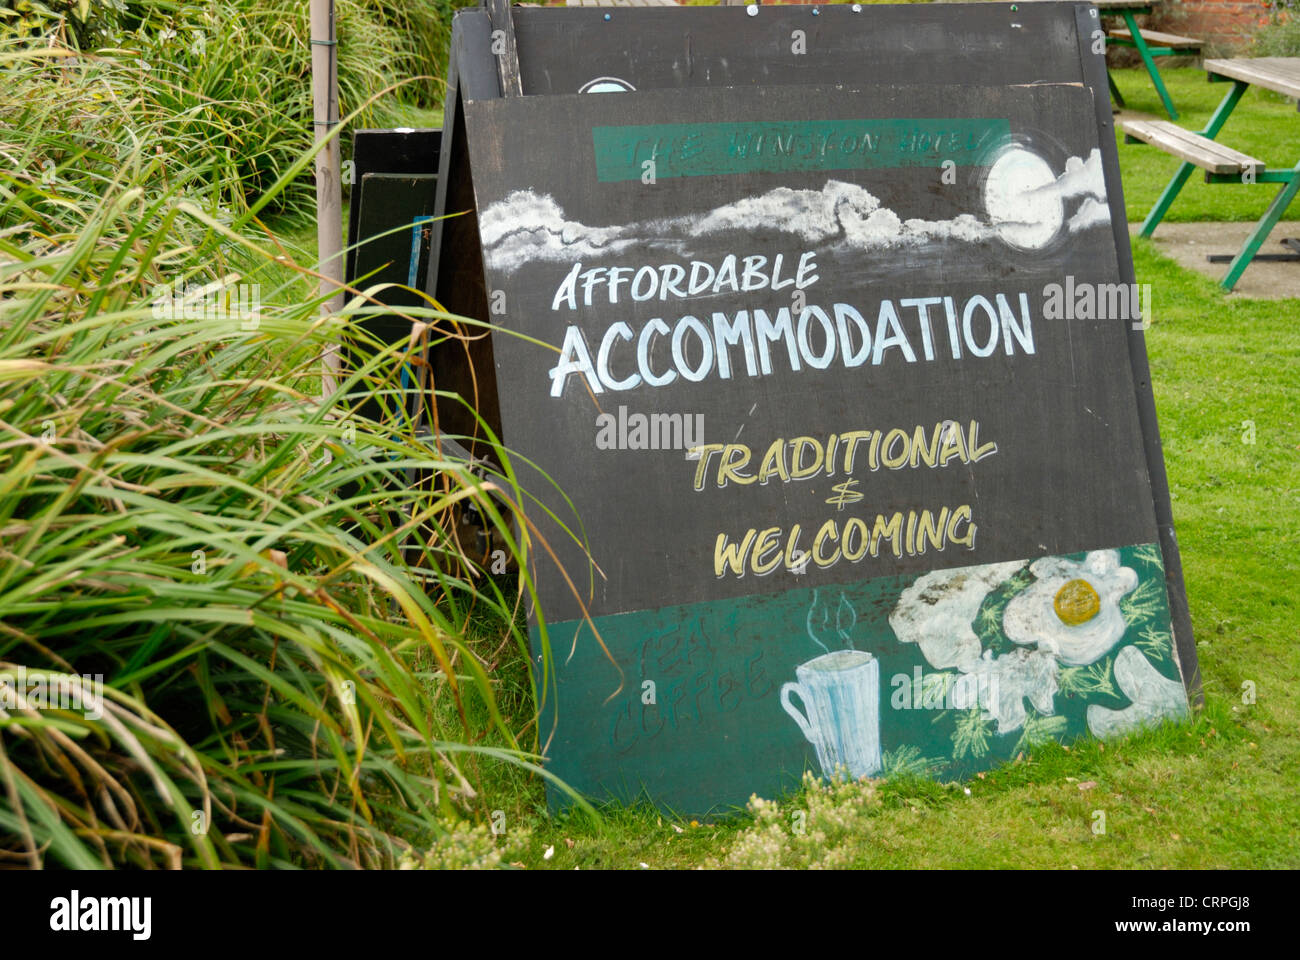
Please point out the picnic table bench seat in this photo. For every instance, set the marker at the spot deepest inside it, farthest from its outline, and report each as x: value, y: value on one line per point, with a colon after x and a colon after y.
x: 1155, y: 38
x: 1192, y: 147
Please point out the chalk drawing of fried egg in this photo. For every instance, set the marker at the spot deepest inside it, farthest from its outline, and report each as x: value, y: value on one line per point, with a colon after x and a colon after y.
x: 1072, y: 609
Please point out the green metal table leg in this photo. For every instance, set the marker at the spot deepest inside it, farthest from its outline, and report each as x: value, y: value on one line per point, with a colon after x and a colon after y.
x: 1220, y: 117
x: 1145, y: 53
x: 1174, y: 187
x: 1114, y: 90
x: 1224, y: 109
x: 1257, y: 236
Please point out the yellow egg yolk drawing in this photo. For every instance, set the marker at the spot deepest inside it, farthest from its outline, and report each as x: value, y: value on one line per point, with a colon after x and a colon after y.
x: 1076, y: 602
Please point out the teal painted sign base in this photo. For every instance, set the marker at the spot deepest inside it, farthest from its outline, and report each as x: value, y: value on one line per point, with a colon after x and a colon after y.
x: 942, y: 674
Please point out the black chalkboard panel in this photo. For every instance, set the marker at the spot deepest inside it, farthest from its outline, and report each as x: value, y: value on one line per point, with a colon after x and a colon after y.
x: 572, y: 50
x: 576, y: 49
x: 390, y: 237
x: 824, y: 428
x: 394, y: 214
x: 405, y: 150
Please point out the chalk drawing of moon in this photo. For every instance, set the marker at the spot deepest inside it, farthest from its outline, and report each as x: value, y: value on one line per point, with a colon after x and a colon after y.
x: 606, y: 85
x: 1020, y: 200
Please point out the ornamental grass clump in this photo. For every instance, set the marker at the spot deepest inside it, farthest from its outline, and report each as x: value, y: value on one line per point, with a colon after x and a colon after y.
x: 266, y: 617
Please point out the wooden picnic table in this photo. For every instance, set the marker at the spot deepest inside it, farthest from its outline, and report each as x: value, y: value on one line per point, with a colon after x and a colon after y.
x: 1279, y: 74
x: 1221, y: 164
x: 1148, y: 43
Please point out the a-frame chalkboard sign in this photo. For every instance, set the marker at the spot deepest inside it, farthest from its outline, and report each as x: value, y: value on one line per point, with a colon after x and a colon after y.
x: 846, y: 390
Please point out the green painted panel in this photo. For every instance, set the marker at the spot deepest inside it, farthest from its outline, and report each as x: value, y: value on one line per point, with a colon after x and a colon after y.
x: 943, y: 674
x: 706, y: 149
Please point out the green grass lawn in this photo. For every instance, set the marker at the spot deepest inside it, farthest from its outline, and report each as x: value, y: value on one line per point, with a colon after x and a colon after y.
x: 1264, y: 125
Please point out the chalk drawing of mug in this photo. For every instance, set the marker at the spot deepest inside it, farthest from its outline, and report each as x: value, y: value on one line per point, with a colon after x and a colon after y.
x: 841, y: 710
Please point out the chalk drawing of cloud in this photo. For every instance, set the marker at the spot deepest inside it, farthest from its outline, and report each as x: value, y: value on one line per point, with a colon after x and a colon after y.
x: 1091, y: 213
x: 526, y: 226
x: 1081, y: 178
x: 841, y: 214
x: 814, y: 216
x: 1025, y: 208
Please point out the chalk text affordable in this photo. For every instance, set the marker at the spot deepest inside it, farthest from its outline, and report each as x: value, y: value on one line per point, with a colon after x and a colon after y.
x: 797, y: 336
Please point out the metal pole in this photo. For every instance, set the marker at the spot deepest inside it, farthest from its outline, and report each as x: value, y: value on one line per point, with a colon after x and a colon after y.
x: 329, y: 190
